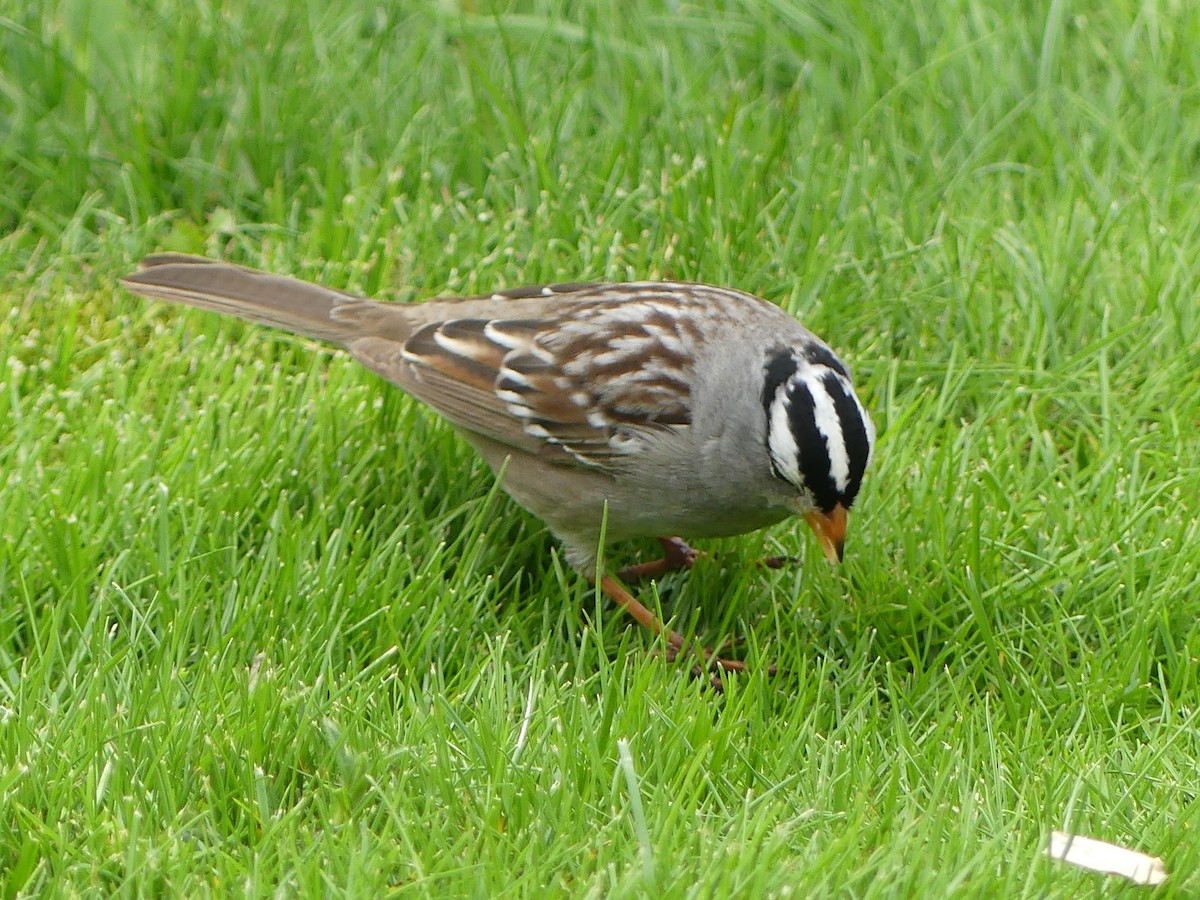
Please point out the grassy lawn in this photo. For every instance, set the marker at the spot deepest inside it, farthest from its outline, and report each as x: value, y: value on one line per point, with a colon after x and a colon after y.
x: 268, y: 629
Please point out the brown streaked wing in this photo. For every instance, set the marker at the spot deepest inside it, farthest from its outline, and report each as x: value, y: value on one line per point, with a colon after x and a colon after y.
x: 525, y: 292
x: 551, y: 386
x: 465, y: 402
x: 544, y: 290
x: 455, y: 368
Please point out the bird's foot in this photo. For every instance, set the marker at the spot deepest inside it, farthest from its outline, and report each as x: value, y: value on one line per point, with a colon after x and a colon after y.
x: 710, y: 665
x: 677, y: 554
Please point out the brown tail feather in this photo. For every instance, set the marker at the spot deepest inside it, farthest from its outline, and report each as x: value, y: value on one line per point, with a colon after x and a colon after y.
x: 274, y: 300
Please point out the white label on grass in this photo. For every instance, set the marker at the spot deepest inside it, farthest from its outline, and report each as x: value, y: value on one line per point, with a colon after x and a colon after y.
x: 1100, y: 856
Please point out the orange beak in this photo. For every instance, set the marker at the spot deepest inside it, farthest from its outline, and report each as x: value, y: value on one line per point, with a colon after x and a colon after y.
x: 830, y: 529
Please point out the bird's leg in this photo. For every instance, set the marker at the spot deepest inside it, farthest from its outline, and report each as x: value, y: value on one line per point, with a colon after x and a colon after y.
x: 676, y: 644
x: 676, y: 555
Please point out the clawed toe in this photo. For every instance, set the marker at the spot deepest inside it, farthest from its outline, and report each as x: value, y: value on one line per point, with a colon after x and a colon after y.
x: 710, y: 665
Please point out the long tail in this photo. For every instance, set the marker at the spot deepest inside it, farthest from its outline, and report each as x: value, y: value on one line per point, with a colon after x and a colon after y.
x: 275, y: 300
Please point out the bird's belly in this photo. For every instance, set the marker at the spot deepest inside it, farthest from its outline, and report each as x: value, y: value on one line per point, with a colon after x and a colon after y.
x: 716, y: 521
x: 578, y: 505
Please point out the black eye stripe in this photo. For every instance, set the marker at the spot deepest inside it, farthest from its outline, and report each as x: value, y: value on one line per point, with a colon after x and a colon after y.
x: 780, y: 366
x: 815, y: 465
x: 823, y: 356
x: 854, y: 433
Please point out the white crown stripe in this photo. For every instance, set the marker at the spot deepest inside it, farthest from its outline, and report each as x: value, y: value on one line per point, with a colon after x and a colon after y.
x: 829, y: 425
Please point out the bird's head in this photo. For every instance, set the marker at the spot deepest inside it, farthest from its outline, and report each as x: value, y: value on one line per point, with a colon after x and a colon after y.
x: 819, y: 436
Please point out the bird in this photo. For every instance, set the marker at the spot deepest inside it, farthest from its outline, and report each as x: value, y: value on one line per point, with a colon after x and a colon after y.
x: 610, y: 411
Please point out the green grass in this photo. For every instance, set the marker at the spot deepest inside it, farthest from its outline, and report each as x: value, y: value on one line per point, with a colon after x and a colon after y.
x: 267, y: 628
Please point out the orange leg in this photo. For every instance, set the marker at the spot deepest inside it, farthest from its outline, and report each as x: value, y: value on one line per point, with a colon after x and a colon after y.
x: 676, y: 644
x: 676, y: 555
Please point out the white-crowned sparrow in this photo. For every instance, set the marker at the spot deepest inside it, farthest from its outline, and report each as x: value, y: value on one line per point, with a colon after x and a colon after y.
x: 622, y: 410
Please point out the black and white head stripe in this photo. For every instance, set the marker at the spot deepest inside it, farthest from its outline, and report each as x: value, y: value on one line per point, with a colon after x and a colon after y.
x: 819, y: 437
